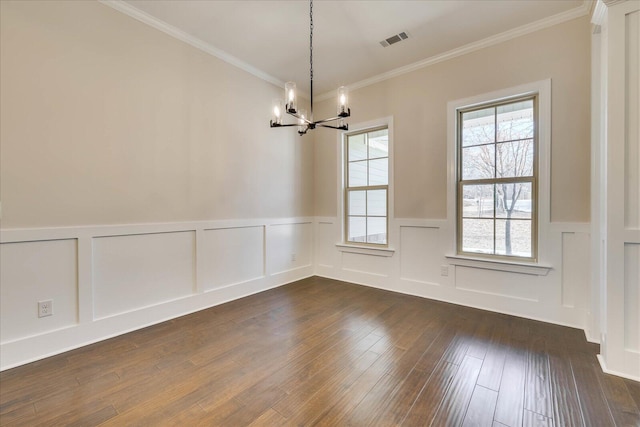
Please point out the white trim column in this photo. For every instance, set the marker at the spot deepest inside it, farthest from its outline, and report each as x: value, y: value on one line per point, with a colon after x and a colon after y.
x: 617, y: 187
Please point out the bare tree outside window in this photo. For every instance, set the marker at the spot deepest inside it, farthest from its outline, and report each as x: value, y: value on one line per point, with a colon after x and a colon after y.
x: 496, y: 203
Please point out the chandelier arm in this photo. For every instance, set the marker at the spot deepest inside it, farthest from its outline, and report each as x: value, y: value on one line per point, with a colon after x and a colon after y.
x: 275, y: 125
x: 299, y: 118
x: 330, y: 120
x: 345, y: 127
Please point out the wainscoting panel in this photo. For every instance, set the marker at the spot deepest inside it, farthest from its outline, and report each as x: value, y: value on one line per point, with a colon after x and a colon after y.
x: 497, y: 283
x: 418, y: 265
x: 108, y: 280
x: 367, y: 265
x: 290, y: 246
x: 231, y: 255
x: 133, y: 272
x: 22, y: 286
x: 632, y: 297
x: 324, y: 244
x: 575, y: 271
x: 417, y: 248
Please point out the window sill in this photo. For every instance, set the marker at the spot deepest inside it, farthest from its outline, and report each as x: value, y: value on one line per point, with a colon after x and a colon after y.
x: 365, y: 250
x: 499, y: 265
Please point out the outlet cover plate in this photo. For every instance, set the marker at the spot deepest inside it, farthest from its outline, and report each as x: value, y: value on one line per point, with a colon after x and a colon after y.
x: 45, y: 308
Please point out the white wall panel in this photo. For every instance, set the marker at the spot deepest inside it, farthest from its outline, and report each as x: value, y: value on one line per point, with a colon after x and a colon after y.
x: 632, y: 110
x: 575, y: 274
x: 632, y: 297
x: 419, y: 254
x: 231, y: 255
x: 499, y: 283
x: 32, y: 272
x: 290, y: 246
x: 131, y: 272
x: 368, y: 265
x: 325, y: 241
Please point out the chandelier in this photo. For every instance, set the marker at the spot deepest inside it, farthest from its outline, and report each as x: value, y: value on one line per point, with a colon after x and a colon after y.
x: 290, y: 107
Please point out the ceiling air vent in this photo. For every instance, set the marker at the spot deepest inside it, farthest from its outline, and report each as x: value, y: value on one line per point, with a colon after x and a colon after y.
x: 395, y: 39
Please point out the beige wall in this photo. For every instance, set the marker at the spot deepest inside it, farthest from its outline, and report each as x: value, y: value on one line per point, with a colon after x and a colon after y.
x: 105, y: 120
x: 418, y: 103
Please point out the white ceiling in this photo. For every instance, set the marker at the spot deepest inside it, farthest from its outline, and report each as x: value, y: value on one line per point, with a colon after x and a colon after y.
x: 273, y: 36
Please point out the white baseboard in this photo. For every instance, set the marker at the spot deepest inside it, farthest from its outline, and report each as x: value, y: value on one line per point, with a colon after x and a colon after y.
x: 603, y: 366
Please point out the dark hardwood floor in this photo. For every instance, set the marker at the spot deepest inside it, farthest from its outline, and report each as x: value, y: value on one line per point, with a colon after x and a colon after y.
x: 322, y: 352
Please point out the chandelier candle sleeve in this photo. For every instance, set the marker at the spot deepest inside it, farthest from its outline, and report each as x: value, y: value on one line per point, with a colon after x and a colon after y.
x: 302, y: 120
x: 290, y: 97
x: 343, y: 101
x: 278, y: 112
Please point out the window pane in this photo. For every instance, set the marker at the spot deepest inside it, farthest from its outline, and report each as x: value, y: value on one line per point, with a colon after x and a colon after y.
x: 478, y: 162
x: 513, y: 237
x: 357, y: 147
x: 379, y: 172
x: 478, y: 127
x: 514, y: 200
x: 379, y: 144
x: 358, y: 174
x: 515, y: 121
x: 515, y: 158
x: 357, y: 229
x: 377, y: 230
x: 498, y: 143
x: 477, y: 235
x: 477, y: 201
x: 357, y: 202
x: 367, y: 163
x: 377, y: 202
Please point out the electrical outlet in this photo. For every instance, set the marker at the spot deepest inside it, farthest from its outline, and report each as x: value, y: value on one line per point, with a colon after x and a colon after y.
x: 293, y: 257
x: 444, y: 270
x: 45, y: 308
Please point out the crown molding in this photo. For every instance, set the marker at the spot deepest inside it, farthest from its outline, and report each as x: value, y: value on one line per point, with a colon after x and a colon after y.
x: 158, y: 24
x: 582, y: 10
x: 599, y: 11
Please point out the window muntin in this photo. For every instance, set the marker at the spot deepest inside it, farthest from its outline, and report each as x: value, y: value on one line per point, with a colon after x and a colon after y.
x: 497, y: 179
x: 367, y: 187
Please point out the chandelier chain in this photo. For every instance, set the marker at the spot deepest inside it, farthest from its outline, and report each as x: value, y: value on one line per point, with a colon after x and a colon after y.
x: 311, y: 37
x: 311, y: 51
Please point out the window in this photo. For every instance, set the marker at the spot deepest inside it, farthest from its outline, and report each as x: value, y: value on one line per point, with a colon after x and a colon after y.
x: 367, y: 186
x: 497, y: 146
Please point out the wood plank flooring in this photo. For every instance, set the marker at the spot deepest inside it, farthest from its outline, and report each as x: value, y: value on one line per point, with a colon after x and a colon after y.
x: 328, y: 353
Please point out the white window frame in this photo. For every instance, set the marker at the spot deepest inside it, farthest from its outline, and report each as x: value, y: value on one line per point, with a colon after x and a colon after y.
x: 344, y: 245
x: 542, y: 89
